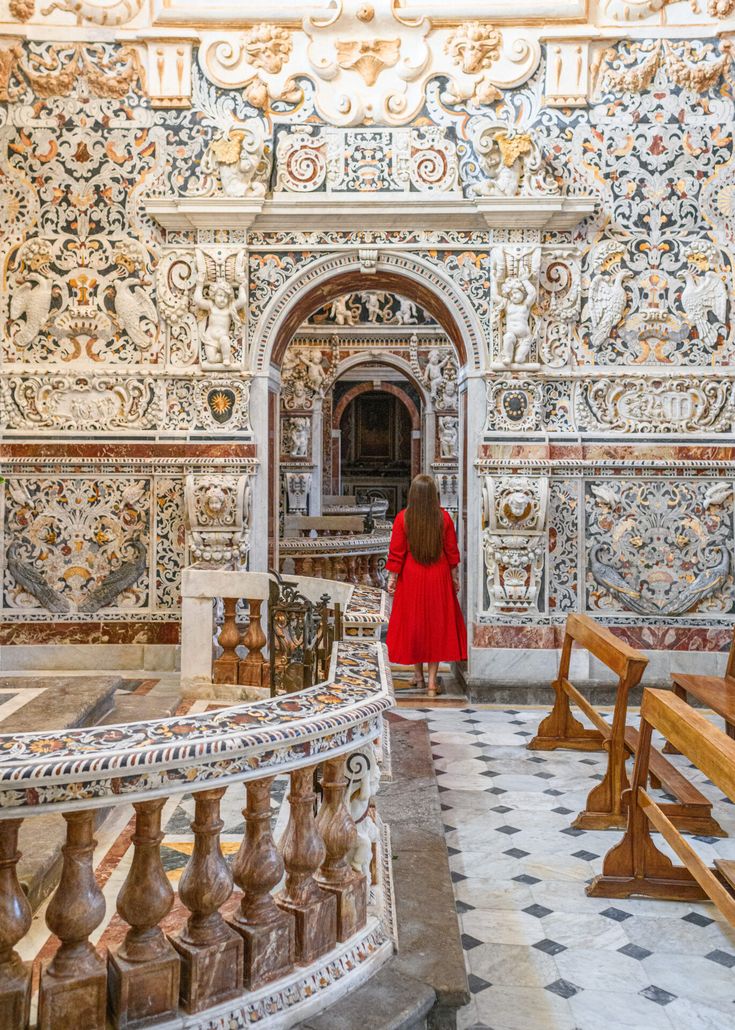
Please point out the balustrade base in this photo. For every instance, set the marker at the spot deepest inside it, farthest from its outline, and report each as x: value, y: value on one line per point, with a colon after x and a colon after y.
x: 270, y: 951
x: 72, y: 1003
x: 316, y: 925
x: 15, y: 995
x: 141, y: 993
x: 352, y: 898
x: 210, y: 973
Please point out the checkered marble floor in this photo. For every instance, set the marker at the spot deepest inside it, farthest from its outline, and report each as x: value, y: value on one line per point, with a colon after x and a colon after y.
x: 540, y: 954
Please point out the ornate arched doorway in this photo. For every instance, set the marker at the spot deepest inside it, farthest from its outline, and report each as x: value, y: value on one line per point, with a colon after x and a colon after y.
x: 320, y: 285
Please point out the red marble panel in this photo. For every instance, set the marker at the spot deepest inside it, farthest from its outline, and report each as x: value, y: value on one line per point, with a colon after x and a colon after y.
x: 56, y: 632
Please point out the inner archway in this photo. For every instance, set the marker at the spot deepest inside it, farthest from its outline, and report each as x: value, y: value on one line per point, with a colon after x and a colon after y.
x: 369, y: 397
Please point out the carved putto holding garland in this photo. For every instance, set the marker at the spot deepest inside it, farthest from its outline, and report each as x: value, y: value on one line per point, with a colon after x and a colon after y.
x: 304, y: 375
x: 514, y: 293
x: 240, y: 159
x: 512, y: 163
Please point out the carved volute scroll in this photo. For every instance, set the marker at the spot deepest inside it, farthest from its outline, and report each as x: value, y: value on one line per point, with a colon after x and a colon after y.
x: 74, y: 984
x: 15, y: 921
x: 211, y: 952
x: 268, y: 932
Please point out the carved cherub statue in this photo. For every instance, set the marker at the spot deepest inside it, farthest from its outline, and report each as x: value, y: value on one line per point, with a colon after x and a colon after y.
x: 315, y: 374
x: 448, y: 437
x: 517, y: 297
x: 223, y: 308
x: 434, y: 372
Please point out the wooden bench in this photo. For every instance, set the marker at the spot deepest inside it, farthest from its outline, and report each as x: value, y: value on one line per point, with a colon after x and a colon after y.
x: 606, y: 806
x: 715, y: 692
x: 324, y: 525
x: 636, y: 865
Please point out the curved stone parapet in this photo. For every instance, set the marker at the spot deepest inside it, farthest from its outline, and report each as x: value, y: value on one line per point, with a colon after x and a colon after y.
x: 97, y: 766
x: 312, y: 914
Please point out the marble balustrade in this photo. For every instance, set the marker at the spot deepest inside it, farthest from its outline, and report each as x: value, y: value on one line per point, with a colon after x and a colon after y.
x: 352, y: 558
x: 281, y: 932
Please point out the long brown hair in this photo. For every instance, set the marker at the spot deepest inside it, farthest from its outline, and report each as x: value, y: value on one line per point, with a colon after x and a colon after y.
x: 423, y: 521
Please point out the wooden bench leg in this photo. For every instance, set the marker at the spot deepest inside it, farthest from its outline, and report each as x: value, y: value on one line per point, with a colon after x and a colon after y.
x: 606, y: 807
x: 669, y: 749
x: 635, y: 866
x: 560, y: 729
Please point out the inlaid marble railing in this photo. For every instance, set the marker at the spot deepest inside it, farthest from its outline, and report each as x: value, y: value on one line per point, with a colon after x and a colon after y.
x: 355, y: 558
x: 311, y: 915
x: 349, y: 505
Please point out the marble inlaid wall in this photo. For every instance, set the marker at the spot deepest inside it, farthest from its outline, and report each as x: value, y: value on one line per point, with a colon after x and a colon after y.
x: 599, y: 352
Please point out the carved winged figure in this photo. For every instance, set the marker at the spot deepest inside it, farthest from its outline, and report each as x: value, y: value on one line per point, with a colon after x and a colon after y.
x: 30, y: 301
x: 611, y: 580
x: 704, y: 293
x: 135, y: 312
x: 608, y: 297
x: 708, y: 582
x: 125, y: 575
x: 241, y: 158
x: 31, y: 580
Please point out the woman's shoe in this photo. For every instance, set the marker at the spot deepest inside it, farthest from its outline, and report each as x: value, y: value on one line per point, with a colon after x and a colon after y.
x: 438, y: 689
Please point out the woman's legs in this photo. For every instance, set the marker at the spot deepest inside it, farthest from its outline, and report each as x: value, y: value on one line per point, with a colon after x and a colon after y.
x: 433, y: 685
x: 418, y: 674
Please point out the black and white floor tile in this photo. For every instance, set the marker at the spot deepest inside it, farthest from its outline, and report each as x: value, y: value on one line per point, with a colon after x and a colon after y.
x: 540, y: 954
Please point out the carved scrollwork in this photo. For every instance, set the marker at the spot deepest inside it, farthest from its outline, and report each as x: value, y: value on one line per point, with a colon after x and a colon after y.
x: 668, y: 405
x: 560, y: 302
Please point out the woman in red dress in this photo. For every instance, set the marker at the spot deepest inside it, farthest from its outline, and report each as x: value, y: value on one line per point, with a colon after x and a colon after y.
x: 426, y: 623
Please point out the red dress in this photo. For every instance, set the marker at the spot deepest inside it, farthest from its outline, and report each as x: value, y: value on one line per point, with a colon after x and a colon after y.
x: 426, y: 623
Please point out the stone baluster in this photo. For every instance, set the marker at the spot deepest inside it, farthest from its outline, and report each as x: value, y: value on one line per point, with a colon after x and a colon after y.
x: 224, y: 669
x: 73, y: 991
x: 268, y: 932
x: 144, y: 971
x: 374, y: 564
x: 351, y: 573
x: 339, y: 833
x: 252, y: 666
x: 211, y: 953
x: 303, y: 852
x: 15, y: 921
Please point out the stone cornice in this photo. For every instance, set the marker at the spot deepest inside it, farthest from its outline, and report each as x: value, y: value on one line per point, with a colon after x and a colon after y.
x: 412, y: 211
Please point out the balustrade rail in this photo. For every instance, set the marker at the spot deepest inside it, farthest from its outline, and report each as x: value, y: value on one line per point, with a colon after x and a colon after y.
x: 277, y: 934
x: 336, y: 547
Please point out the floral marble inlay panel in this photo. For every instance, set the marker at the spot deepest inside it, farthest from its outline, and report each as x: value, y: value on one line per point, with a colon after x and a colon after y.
x: 659, y: 548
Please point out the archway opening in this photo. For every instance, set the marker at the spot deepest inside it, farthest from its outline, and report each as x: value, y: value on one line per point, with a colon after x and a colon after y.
x: 369, y: 397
